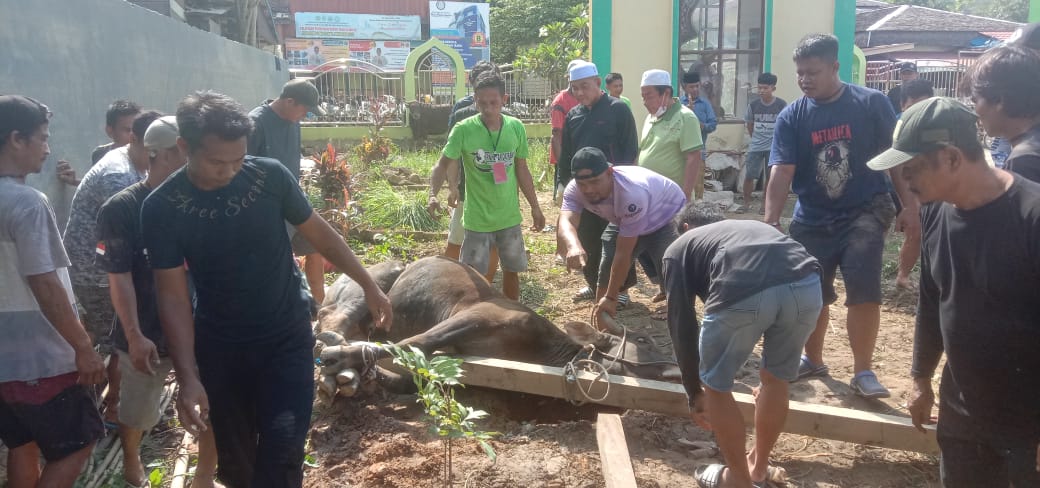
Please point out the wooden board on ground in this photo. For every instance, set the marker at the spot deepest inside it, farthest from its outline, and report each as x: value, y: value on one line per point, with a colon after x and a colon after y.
x: 823, y: 421
x: 613, y: 452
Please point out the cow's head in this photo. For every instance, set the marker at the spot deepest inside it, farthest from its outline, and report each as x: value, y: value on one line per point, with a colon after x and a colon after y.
x: 637, y: 355
x: 345, y: 311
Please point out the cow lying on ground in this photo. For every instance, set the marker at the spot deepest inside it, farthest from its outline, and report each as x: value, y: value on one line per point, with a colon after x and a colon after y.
x: 441, y: 304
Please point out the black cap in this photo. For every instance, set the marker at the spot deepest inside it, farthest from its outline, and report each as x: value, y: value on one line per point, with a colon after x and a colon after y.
x: 304, y: 93
x: 691, y: 77
x: 1027, y: 36
x: 22, y: 114
x: 908, y: 66
x: 588, y: 159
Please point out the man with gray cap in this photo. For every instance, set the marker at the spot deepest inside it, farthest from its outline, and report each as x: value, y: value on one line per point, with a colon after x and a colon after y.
x: 276, y: 135
x: 639, y: 205
x: 977, y: 298
x: 138, y: 339
x: 606, y: 123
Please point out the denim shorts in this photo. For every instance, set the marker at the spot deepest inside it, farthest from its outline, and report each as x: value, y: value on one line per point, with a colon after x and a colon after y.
x: 753, y: 164
x: 784, y: 315
x: 512, y: 254
x: 855, y: 245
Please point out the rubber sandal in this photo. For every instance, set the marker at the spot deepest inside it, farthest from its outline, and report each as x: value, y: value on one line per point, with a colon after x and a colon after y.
x: 866, y: 385
x: 585, y: 293
x: 623, y: 300
x: 709, y: 476
x: 808, y: 369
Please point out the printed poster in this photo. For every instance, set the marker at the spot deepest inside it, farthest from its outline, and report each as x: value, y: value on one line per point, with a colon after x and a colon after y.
x: 311, y: 53
x: 318, y: 25
x: 464, y: 27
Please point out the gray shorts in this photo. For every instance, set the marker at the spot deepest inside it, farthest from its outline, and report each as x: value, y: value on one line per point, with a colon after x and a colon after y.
x: 783, y: 315
x: 511, y: 251
x: 754, y: 162
x: 456, y: 234
x: 139, y: 393
x: 300, y: 245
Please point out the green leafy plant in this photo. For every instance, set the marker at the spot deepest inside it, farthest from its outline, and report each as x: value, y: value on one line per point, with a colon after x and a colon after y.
x: 386, y: 207
x: 558, y: 44
x: 436, y: 379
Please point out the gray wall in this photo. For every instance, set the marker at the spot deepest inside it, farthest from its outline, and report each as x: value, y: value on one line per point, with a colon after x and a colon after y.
x: 78, y: 56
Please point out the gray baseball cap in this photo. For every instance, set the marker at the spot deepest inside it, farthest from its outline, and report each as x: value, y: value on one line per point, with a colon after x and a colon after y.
x: 925, y: 126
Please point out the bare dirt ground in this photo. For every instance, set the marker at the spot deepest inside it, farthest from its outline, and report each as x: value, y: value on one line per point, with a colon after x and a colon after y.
x: 381, y: 440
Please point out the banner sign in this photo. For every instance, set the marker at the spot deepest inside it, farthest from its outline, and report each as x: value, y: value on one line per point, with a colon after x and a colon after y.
x: 464, y: 27
x: 311, y: 53
x: 317, y: 25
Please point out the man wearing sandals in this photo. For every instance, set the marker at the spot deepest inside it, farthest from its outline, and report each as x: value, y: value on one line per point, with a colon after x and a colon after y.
x: 638, y: 205
x: 821, y: 145
x: 980, y: 261
x: 755, y: 282
x: 606, y: 123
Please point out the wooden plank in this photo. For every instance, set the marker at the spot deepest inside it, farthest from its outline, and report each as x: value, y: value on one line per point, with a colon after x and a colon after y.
x: 822, y: 421
x: 613, y: 452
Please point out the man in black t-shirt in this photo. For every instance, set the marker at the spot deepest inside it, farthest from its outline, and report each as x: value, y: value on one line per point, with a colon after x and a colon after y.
x: 138, y: 339
x: 605, y: 123
x: 224, y: 216
x: 980, y: 263
x: 1002, y: 84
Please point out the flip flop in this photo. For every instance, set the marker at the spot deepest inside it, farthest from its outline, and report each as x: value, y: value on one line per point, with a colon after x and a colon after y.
x: 585, y: 293
x: 709, y: 475
x: 623, y: 300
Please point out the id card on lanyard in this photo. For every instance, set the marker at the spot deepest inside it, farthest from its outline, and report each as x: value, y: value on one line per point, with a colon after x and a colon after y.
x: 498, y: 168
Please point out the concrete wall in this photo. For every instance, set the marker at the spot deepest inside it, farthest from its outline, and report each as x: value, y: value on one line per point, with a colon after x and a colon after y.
x: 78, y: 56
x: 790, y: 25
x: 641, y: 39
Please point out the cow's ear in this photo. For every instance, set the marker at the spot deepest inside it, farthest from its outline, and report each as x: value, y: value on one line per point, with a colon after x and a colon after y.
x: 583, y: 333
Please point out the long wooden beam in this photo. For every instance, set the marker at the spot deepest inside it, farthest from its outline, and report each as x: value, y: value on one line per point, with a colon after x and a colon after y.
x: 613, y: 452
x: 822, y: 421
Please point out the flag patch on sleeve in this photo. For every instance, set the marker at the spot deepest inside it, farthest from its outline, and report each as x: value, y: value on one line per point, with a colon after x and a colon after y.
x: 100, y: 248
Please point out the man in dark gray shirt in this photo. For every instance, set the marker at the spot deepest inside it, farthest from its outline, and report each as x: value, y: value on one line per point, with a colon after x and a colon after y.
x: 276, y: 135
x: 755, y: 282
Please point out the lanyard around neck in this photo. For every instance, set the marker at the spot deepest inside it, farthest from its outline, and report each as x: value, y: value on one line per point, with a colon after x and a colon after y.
x: 494, y: 145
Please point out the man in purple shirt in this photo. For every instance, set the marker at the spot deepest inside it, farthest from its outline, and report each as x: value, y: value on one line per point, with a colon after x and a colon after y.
x: 640, y: 206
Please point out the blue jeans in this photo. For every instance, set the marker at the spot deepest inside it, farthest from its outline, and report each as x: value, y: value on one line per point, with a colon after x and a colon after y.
x: 785, y: 315
x: 260, y: 397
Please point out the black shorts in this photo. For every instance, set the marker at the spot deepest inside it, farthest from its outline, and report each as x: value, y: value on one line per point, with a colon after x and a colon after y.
x: 854, y: 245
x: 55, y: 413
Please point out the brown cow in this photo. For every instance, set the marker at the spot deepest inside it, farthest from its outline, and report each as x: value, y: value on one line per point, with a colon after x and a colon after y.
x: 441, y: 304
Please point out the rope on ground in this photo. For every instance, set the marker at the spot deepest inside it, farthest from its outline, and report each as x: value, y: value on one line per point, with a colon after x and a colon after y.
x: 580, y: 363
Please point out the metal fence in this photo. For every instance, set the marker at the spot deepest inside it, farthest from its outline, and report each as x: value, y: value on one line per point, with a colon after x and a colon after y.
x: 945, y: 75
x: 356, y: 92
x: 530, y: 95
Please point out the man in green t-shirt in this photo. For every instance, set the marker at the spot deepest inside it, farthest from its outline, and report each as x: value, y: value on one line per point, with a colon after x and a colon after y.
x: 493, y: 150
x: 615, y: 85
x: 671, y: 142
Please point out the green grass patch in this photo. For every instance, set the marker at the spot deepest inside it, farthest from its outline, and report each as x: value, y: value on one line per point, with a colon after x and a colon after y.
x: 386, y: 207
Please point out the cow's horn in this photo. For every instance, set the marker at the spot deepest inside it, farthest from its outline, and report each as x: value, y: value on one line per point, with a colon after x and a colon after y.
x: 610, y: 324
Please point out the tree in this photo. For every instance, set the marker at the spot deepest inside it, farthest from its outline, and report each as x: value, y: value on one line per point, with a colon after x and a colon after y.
x: 1013, y: 10
x: 515, y: 24
x: 558, y: 44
